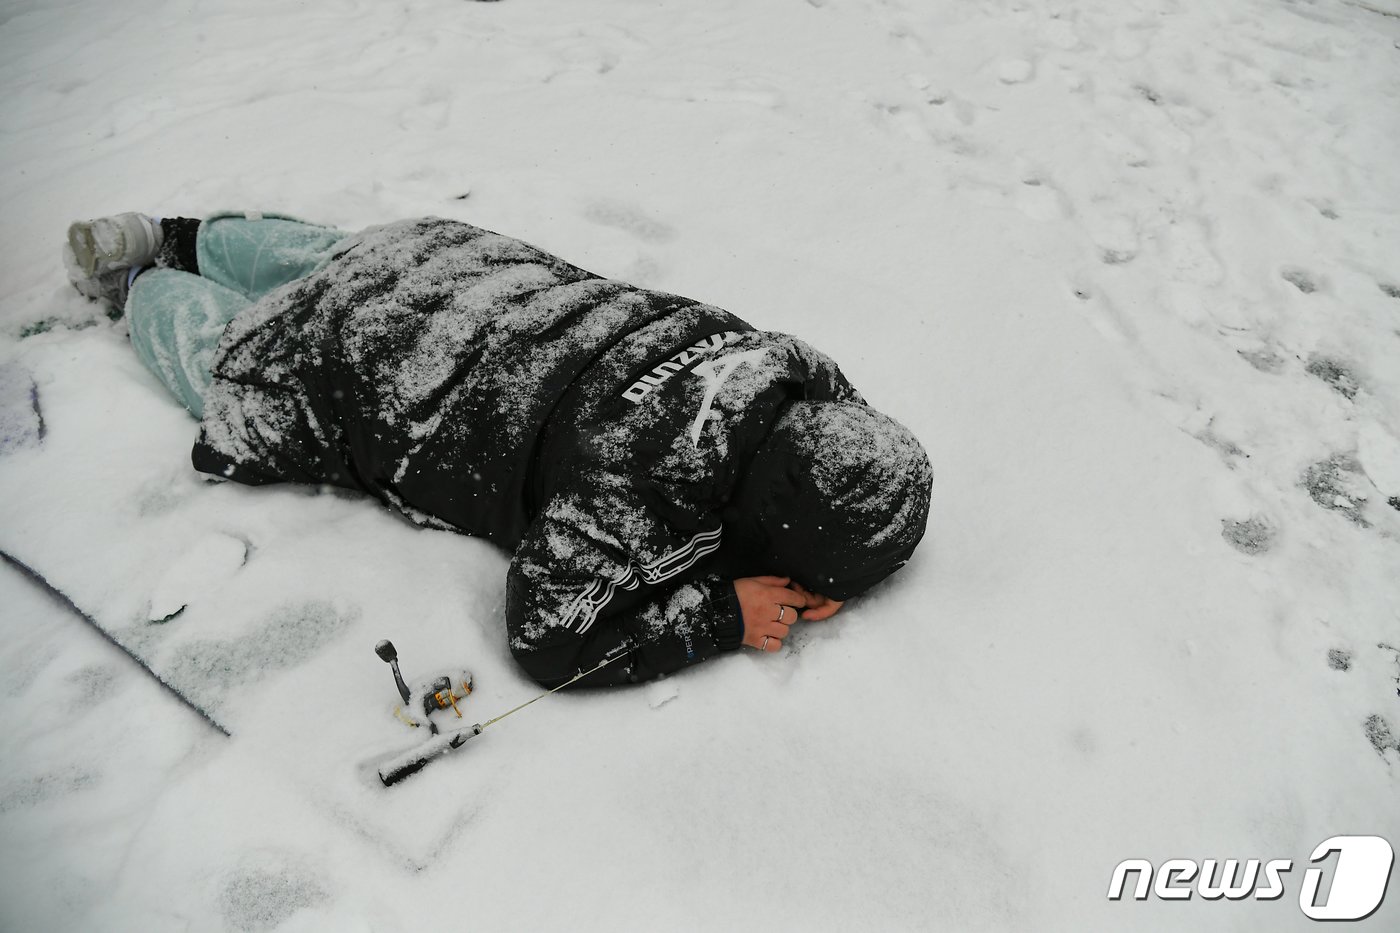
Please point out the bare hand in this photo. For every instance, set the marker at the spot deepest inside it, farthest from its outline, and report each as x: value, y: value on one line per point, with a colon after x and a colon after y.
x: 769, y: 605
x: 819, y: 607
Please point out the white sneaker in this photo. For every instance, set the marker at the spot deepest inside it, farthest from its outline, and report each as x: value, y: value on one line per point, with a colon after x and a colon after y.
x: 111, y: 285
x: 115, y: 242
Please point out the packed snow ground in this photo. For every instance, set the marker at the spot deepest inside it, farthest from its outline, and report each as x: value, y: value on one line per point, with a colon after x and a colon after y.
x: 1130, y: 269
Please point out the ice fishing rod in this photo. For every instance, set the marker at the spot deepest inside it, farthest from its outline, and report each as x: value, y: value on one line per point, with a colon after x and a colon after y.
x: 439, y: 694
x: 38, y: 580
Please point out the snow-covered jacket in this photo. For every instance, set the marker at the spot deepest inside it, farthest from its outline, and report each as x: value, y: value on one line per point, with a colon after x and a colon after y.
x: 599, y: 430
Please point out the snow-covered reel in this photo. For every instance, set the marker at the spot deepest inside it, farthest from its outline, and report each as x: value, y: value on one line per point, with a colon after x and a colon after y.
x: 430, y: 696
x: 440, y: 693
x: 443, y: 692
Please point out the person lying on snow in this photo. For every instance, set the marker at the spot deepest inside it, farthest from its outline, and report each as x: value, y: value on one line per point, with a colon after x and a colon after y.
x: 673, y: 483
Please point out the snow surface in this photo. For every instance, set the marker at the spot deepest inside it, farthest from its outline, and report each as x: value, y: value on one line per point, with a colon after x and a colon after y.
x: 1130, y: 269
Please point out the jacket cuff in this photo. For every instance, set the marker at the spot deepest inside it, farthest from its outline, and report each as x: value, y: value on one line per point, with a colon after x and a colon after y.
x: 729, y: 627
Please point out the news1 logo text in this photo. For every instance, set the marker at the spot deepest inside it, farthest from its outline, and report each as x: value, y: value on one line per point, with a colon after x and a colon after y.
x: 1355, y: 888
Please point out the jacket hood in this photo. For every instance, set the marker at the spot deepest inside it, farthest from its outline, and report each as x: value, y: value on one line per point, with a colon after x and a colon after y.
x: 837, y: 497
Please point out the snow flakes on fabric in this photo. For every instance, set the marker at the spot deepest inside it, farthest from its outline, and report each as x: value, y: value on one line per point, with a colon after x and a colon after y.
x: 679, y: 612
x: 420, y: 364
x: 862, y: 462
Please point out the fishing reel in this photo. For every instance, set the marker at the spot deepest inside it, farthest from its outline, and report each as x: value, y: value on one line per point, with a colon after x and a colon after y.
x: 430, y: 696
x: 440, y: 693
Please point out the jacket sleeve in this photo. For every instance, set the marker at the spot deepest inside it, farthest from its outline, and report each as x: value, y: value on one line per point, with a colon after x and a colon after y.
x: 610, y: 580
x: 255, y: 434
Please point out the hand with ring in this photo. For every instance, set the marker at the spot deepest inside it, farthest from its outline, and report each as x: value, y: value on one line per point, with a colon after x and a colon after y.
x: 770, y: 605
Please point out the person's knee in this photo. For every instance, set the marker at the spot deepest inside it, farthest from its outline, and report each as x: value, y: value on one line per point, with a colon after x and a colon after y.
x: 547, y: 666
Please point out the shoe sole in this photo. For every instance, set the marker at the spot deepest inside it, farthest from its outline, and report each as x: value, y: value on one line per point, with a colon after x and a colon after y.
x: 124, y: 240
x: 84, y: 248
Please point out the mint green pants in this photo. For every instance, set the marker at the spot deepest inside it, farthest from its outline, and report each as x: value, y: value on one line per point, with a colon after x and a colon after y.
x: 176, y: 318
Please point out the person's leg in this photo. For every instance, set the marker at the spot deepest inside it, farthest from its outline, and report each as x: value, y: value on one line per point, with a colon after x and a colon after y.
x: 251, y: 253
x: 175, y: 320
x: 178, y: 238
x: 255, y: 256
x: 181, y: 280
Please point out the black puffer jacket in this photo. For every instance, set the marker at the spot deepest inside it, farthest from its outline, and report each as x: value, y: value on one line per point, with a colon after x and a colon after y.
x: 599, y: 430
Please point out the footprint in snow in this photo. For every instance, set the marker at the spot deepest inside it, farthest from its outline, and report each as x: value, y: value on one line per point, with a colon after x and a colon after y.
x: 1376, y: 727
x: 622, y: 216
x: 1325, y: 208
x: 1230, y: 452
x: 1263, y: 359
x: 25, y: 793
x: 1301, y: 279
x: 1253, y: 535
x: 1338, y: 484
x: 21, y: 415
x: 1335, y: 373
x: 94, y: 680
x: 1147, y: 93
x: 1380, y: 735
x: 260, y: 897
x: 206, y: 670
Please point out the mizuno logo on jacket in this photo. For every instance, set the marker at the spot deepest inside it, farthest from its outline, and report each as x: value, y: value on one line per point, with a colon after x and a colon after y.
x: 663, y: 372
